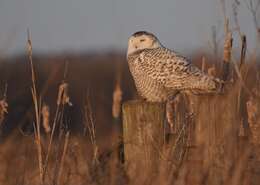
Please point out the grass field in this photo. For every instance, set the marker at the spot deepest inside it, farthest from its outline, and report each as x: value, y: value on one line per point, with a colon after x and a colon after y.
x: 86, y: 142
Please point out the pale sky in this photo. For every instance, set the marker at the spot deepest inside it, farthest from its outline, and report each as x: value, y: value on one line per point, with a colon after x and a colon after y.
x: 87, y: 25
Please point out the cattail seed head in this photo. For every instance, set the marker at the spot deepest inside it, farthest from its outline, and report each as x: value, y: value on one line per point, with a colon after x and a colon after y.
x: 228, y: 47
x: 203, y: 64
x: 117, y: 99
x: 3, y: 109
x: 29, y: 44
x: 63, y: 95
x: 46, y: 118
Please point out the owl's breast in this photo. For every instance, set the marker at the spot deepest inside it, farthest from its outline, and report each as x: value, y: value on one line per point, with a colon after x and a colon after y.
x: 147, y: 87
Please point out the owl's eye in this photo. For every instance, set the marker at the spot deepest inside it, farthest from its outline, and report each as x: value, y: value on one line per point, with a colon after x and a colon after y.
x: 142, y: 40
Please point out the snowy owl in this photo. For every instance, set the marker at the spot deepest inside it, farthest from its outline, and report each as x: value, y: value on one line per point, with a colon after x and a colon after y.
x: 160, y: 73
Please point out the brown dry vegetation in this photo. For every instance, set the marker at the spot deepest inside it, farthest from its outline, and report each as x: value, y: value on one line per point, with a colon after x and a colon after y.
x: 91, y: 80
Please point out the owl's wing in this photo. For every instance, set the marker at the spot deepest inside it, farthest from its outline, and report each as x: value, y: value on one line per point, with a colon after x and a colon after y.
x: 173, y: 70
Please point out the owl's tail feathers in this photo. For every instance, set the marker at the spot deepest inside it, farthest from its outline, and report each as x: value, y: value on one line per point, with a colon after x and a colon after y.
x: 209, y: 85
x: 219, y: 85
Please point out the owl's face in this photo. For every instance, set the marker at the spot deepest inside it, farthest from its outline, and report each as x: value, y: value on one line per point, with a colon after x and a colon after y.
x: 142, y: 40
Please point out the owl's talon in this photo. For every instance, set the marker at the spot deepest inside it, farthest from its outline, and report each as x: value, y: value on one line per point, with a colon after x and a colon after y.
x: 190, y: 115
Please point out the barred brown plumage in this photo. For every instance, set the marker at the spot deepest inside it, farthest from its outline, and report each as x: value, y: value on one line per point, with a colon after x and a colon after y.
x: 160, y: 73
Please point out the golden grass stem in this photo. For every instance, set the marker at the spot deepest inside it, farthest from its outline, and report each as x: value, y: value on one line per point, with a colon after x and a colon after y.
x: 51, y: 140
x: 36, y: 102
x: 90, y: 124
x: 63, y: 157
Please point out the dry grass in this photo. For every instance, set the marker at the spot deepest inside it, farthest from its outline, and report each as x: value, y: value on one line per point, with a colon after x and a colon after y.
x: 70, y: 159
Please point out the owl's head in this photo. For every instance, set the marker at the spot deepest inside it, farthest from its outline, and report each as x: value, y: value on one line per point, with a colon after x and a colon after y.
x: 142, y: 40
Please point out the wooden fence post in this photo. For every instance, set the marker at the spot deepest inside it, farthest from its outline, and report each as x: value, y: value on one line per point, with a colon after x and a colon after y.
x: 212, y: 149
x: 143, y: 131
x: 216, y: 133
